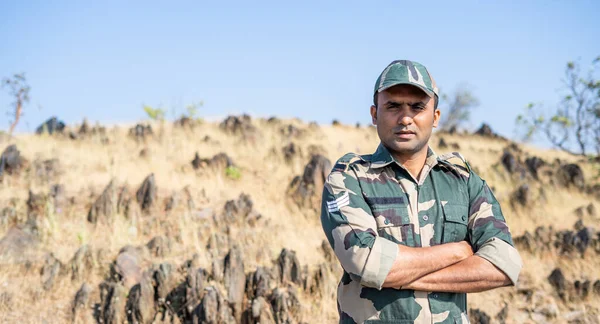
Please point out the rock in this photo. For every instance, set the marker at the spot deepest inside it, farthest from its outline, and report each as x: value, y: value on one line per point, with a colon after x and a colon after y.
x: 478, y: 316
x: 140, y: 306
x: 141, y: 132
x: 82, y: 263
x: 527, y: 241
x: 220, y: 161
x: 195, y: 280
x: 306, y: 190
x: 217, y: 270
x: 127, y: 267
x: 51, y: 271
x: 239, y: 125
x: 510, y: 162
x: 36, y: 208
x: 522, y: 195
x: 144, y: 153
x: 146, y: 194
x: 164, y: 282
x: 104, y: 207
x: 46, y: 170
x: 486, y: 131
x: 582, y: 288
x: 442, y: 144
x: 81, y: 303
x: 260, y: 312
x: 59, y: 199
x: 290, y: 151
x: 51, y: 126
x: 238, y: 210
x: 186, y: 122
x: 571, y: 175
x: 335, y: 122
x: 18, y: 246
x: 558, y: 282
x: 583, y: 239
x: 234, y: 279
x: 286, y: 307
x: 318, y: 283
x: 124, y: 203
x: 213, y: 309
x: 159, y: 246
x: 258, y: 283
x: 113, y: 297
x: 291, y: 131
x: 11, y: 161
x: 596, y: 287
x: 591, y: 210
x: 289, y: 267
x: 533, y: 165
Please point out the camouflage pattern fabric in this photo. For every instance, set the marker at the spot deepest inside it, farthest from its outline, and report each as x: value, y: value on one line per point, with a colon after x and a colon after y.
x: 371, y: 204
x: 406, y: 72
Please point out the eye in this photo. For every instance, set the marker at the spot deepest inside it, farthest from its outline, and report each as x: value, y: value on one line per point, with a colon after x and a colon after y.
x: 418, y: 106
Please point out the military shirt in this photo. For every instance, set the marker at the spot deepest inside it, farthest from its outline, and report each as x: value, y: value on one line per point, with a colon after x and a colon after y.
x: 371, y: 204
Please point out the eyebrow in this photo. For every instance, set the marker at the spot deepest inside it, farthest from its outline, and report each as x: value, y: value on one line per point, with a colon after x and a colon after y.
x: 392, y: 103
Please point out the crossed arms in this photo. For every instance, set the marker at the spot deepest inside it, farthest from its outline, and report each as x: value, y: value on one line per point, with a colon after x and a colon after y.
x: 450, y: 267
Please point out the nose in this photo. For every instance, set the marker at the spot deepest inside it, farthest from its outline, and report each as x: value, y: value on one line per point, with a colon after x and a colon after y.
x: 405, y: 119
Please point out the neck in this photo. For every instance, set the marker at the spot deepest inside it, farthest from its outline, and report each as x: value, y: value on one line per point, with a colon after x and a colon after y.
x: 414, y: 162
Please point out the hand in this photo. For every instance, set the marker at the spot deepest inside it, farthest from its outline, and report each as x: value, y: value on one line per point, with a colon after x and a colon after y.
x: 464, y: 249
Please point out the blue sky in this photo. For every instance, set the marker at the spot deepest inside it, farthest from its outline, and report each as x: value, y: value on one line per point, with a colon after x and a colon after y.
x: 315, y: 60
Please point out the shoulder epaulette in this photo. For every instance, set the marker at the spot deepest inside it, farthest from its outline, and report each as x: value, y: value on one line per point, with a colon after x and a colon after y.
x: 448, y: 156
x: 349, y: 158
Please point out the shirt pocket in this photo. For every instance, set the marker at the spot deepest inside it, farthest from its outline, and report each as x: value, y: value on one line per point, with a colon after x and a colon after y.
x: 456, y: 219
x: 393, y: 223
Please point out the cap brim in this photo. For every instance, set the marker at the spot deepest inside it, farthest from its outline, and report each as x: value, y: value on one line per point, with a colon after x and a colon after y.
x: 430, y: 93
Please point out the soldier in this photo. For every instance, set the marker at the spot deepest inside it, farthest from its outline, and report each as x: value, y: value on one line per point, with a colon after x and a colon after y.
x: 413, y: 231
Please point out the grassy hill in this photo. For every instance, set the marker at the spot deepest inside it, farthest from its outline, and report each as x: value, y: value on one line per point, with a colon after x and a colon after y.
x: 50, y: 197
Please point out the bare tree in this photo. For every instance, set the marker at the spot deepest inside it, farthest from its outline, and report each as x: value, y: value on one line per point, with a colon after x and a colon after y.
x: 575, y: 125
x: 459, y: 106
x: 19, y: 89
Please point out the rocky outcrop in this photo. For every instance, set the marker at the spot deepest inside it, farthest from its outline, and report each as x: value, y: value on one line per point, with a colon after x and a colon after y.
x: 306, y: 190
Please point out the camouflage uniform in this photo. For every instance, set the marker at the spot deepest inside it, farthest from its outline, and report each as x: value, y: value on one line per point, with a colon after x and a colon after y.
x: 371, y: 204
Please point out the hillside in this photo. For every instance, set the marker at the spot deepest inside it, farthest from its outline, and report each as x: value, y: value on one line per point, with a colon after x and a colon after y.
x: 205, y: 236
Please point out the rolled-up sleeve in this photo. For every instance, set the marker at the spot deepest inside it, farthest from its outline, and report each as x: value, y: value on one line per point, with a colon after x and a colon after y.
x: 489, y: 233
x: 352, y: 231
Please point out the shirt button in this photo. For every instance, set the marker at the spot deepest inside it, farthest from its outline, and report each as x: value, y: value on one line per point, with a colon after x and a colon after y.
x: 434, y: 295
x: 425, y: 218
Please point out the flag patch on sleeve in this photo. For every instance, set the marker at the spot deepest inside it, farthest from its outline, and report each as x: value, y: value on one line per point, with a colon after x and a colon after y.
x: 340, y: 202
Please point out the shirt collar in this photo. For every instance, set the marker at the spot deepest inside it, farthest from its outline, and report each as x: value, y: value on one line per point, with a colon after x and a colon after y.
x: 382, y: 157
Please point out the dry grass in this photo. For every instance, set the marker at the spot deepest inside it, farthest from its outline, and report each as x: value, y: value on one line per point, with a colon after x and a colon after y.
x: 88, y: 166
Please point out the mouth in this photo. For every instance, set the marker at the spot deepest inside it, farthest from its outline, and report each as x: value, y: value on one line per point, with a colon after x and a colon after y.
x: 405, y: 134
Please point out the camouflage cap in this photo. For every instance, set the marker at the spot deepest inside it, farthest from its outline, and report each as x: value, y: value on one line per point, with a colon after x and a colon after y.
x: 406, y: 72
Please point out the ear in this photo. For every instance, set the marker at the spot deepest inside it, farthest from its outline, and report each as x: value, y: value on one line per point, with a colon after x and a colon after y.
x: 436, y: 117
x: 374, y: 115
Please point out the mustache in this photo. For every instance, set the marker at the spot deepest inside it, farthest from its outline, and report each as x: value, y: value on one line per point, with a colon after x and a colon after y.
x: 403, y: 129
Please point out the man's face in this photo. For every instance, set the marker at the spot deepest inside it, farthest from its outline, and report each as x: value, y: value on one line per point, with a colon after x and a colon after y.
x: 405, y: 117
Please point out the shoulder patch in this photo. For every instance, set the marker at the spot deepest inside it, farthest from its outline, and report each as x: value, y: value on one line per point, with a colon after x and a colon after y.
x: 455, y: 155
x: 349, y: 158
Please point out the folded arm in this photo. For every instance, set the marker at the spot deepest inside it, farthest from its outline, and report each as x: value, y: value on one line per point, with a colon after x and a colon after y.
x: 414, y: 263
x: 474, y: 274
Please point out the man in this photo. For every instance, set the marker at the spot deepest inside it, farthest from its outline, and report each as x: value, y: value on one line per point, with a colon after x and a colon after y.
x: 413, y: 232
